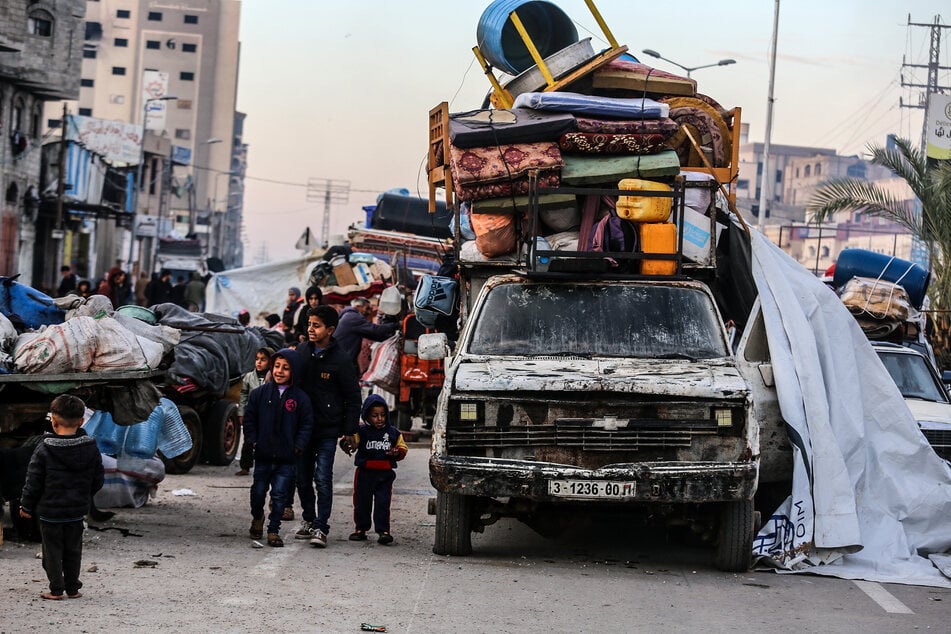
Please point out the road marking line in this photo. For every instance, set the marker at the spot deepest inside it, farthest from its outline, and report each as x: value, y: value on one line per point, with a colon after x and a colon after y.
x: 272, y: 562
x: 882, y: 597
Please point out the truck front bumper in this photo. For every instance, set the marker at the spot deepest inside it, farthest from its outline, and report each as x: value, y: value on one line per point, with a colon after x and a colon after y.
x: 671, y: 482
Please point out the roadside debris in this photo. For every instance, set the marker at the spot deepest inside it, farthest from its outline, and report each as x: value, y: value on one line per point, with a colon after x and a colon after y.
x: 181, y: 492
x: 145, y: 563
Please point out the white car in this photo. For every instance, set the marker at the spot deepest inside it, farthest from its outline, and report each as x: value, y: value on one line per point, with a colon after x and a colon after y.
x: 923, y: 390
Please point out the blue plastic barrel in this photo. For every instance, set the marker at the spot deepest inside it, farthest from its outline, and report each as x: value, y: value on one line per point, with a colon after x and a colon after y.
x: 864, y: 263
x: 547, y: 25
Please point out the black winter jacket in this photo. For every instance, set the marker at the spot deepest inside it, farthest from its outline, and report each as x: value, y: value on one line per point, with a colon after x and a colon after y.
x: 64, y: 473
x: 331, y: 382
x: 276, y: 424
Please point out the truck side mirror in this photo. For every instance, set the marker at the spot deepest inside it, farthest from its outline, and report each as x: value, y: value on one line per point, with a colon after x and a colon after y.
x: 433, y: 346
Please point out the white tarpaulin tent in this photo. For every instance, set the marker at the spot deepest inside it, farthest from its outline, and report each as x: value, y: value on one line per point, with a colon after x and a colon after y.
x: 259, y: 288
x: 870, y: 498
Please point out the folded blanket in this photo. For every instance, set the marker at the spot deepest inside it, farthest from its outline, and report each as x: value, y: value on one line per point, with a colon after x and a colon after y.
x: 501, y: 163
x: 594, y: 143
x: 627, y: 75
x: 480, y: 128
x: 622, y: 108
x: 499, y: 189
x: 639, y: 126
x: 588, y: 170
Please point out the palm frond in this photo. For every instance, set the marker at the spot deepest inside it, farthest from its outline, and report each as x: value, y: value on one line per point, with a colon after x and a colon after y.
x: 851, y: 194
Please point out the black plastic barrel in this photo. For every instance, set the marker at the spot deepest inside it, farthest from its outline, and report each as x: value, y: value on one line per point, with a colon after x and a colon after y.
x: 547, y: 25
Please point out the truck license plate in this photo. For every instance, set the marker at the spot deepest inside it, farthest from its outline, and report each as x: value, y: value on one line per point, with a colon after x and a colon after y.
x: 605, y: 489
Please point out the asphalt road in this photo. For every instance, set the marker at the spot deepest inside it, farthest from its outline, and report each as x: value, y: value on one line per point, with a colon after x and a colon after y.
x: 603, y: 575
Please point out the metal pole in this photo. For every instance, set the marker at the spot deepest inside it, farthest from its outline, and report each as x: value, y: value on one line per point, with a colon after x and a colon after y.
x: 766, y: 179
x: 138, y: 182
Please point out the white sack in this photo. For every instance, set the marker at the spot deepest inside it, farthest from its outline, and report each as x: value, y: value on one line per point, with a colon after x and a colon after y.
x: 66, y: 347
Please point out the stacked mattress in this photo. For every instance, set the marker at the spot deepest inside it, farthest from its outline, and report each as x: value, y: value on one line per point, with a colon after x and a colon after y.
x: 631, y: 126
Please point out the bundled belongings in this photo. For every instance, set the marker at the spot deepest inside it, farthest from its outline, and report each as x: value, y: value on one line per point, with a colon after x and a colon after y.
x: 492, y: 172
x: 480, y: 128
x: 624, y: 76
x: 710, y: 126
x: 880, y: 307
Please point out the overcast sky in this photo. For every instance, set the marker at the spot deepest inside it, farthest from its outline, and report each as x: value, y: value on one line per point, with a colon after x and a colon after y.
x: 342, y: 90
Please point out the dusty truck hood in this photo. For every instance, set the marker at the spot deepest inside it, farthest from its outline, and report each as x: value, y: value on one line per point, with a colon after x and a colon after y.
x: 714, y: 378
x: 930, y: 415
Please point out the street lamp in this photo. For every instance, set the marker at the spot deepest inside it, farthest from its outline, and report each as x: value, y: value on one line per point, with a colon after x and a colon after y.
x: 138, y: 170
x: 722, y: 62
x: 192, y: 214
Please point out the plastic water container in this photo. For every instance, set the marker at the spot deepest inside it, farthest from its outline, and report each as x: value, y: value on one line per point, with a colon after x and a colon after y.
x: 864, y: 263
x: 644, y: 208
x: 549, y: 28
x: 141, y: 440
x: 174, y: 439
x: 658, y: 238
x: 109, y: 436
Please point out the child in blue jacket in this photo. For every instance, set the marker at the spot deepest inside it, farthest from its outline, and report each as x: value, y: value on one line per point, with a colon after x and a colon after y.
x: 278, y: 421
x: 379, y: 446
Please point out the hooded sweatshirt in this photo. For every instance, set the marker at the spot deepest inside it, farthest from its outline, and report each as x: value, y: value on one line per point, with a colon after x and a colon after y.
x: 373, y: 443
x: 278, y: 422
x: 64, y: 473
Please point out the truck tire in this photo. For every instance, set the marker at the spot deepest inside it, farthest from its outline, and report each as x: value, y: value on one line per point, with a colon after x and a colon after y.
x: 735, y: 537
x: 404, y: 418
x: 453, y: 524
x: 184, y: 463
x: 222, y: 433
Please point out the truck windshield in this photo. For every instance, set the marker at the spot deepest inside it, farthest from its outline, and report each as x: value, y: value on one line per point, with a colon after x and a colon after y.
x: 622, y: 320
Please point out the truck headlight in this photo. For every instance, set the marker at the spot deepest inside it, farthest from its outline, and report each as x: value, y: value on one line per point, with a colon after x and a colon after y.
x: 468, y: 412
x: 723, y: 417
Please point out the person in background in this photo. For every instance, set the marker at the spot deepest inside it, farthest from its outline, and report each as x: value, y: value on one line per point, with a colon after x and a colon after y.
x: 67, y: 282
x: 330, y: 381
x: 177, y: 294
x: 379, y: 446
x: 278, y: 421
x: 195, y: 293
x: 64, y: 474
x: 251, y: 380
x: 244, y: 317
x: 140, y: 285
x: 295, y: 305
x: 313, y: 297
x: 354, y: 327
x: 84, y: 289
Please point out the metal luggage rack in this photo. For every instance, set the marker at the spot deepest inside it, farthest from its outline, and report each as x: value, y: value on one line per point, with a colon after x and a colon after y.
x: 597, y: 263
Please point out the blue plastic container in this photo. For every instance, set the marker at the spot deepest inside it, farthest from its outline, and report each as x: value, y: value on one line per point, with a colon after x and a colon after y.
x: 109, y: 436
x: 864, y: 263
x: 547, y: 25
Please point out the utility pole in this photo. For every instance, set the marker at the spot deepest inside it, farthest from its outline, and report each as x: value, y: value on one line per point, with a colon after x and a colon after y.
x: 330, y: 191
x: 933, y: 67
x: 767, y: 179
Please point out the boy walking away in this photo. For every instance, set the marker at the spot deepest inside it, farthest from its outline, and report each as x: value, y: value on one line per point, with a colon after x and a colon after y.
x: 331, y: 382
x: 250, y: 381
x: 379, y: 447
x: 277, y: 423
x: 64, y: 473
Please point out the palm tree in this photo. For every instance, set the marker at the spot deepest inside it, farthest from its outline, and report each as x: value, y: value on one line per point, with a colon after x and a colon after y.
x: 932, y: 186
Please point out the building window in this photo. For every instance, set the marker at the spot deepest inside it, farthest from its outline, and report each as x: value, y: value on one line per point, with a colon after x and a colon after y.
x: 189, y: 48
x: 93, y: 31
x: 153, y: 44
x: 186, y: 76
x: 779, y: 176
x: 808, y: 171
x: 16, y: 117
x: 41, y: 23
x: 825, y: 251
x: 797, y: 172
x: 184, y: 104
x: 89, y: 53
x: 191, y: 19
x: 183, y: 133
x: 743, y: 183
x: 818, y: 169
x: 121, y: 42
x: 123, y: 13
x: 87, y: 83
x: 155, y: 16
x: 85, y: 112
x: 54, y: 123
x: 118, y: 70
x: 35, y: 123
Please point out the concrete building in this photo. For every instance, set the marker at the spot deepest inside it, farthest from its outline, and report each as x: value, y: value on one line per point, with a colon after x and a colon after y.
x: 135, y: 53
x: 40, y: 56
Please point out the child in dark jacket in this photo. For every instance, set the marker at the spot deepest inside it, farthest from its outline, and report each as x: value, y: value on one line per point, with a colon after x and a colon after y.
x: 277, y: 422
x: 64, y: 473
x: 379, y: 447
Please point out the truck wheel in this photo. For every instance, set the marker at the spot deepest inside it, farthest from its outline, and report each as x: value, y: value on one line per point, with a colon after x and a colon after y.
x: 185, y: 462
x: 735, y: 538
x: 222, y: 433
x: 404, y: 418
x: 453, y: 524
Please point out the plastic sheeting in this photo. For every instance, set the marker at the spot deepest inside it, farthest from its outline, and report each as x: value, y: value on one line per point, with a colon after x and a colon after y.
x: 259, y: 289
x: 870, y: 497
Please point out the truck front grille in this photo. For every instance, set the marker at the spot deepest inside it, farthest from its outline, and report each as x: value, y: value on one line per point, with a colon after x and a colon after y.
x: 940, y: 441
x: 463, y: 438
